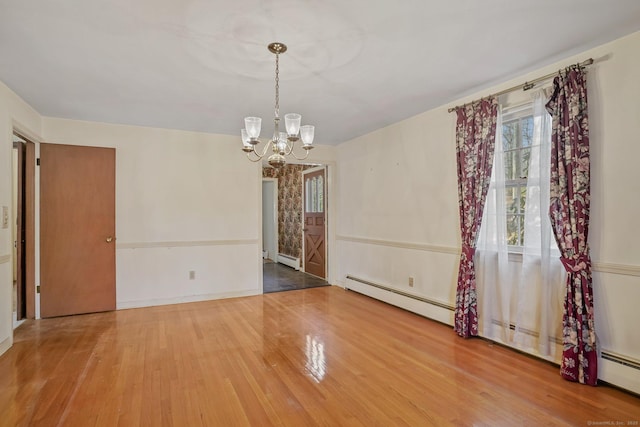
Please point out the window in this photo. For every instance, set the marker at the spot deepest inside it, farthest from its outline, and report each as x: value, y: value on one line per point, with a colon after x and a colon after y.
x: 314, y: 194
x: 517, y: 139
x: 519, y: 273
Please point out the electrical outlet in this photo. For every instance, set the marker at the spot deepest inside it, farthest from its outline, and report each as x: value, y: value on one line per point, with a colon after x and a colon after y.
x: 192, y: 275
x: 411, y: 281
x: 5, y: 217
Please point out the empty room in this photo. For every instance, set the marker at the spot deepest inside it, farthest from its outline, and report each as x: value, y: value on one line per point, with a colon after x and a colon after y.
x: 319, y: 213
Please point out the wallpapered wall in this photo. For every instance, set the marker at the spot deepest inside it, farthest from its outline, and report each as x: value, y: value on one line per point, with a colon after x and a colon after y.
x: 289, y: 207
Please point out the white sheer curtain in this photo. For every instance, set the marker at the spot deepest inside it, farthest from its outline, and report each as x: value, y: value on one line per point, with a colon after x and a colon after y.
x: 492, y: 269
x: 538, y: 323
x: 521, y: 304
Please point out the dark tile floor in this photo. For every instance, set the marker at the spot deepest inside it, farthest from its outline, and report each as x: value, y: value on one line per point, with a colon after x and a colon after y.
x: 278, y: 277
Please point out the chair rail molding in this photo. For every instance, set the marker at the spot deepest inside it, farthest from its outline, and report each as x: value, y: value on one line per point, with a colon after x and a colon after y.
x: 185, y: 243
x: 603, y: 267
x: 623, y: 269
x: 402, y: 245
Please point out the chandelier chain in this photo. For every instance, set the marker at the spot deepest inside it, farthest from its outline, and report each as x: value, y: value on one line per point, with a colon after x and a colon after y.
x: 277, y: 86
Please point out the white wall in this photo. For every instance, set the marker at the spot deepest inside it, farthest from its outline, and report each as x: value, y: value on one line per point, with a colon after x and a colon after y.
x: 270, y: 217
x: 14, y: 113
x: 397, y: 208
x: 185, y: 202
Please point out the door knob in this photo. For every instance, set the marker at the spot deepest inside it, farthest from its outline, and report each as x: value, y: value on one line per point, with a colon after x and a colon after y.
x: 109, y: 239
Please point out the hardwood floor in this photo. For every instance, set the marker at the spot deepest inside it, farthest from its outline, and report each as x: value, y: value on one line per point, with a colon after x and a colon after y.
x: 320, y: 356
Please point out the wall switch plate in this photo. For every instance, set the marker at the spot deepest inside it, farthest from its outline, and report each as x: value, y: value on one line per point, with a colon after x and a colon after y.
x: 192, y: 275
x: 5, y: 217
x: 411, y: 281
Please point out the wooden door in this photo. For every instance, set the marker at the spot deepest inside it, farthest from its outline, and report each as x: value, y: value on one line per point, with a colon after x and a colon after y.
x: 314, y: 223
x: 77, y: 230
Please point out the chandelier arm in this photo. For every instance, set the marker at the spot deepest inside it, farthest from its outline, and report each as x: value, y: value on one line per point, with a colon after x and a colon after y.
x: 300, y: 158
x: 264, y: 151
x: 251, y: 160
x: 289, y: 148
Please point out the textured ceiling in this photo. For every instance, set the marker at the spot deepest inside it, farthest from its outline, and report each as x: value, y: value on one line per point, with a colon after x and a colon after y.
x: 352, y: 66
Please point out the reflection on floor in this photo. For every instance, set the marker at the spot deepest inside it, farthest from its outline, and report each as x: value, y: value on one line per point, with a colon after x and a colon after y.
x: 278, y: 277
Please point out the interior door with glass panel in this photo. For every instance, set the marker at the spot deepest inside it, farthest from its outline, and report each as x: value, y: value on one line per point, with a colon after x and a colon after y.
x: 314, y: 223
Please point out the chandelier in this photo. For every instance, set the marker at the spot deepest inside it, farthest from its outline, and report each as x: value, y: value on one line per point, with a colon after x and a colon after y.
x: 282, y: 143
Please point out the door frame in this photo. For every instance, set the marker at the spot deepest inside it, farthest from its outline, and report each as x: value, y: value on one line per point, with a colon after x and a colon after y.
x: 29, y: 263
x: 330, y: 226
x: 322, y: 167
x: 17, y: 212
x: 18, y: 154
x: 275, y: 207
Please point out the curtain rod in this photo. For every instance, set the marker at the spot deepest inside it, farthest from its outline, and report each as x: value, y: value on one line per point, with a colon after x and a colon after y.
x: 527, y: 85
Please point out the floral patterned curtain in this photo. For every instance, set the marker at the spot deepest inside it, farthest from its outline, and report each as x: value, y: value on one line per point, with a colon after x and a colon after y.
x: 475, y: 143
x: 569, y: 214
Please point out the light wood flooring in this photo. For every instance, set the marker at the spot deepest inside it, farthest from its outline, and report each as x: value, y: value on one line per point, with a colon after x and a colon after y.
x: 321, y: 356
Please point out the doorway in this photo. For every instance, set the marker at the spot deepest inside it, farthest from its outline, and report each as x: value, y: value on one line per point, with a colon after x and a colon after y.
x: 23, y: 228
x: 289, y: 271
x: 18, y: 230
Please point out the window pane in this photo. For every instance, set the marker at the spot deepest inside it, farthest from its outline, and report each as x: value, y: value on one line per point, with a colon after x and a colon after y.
x: 526, y: 124
x: 510, y: 165
x: 510, y: 135
x: 511, y: 200
x: 521, y: 224
x: 513, y: 231
x: 517, y: 133
x: 320, y: 195
x: 307, y: 194
x: 314, y: 194
x: 525, y: 157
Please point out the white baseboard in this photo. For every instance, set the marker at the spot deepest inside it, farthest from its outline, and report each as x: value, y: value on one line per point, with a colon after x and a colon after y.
x: 17, y: 322
x: 288, y: 260
x: 122, y: 305
x: 6, y: 344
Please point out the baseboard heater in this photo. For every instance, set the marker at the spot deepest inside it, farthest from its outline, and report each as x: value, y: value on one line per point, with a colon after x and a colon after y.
x: 622, y: 360
x: 526, y: 331
x: 399, y: 292
x: 290, y: 261
x: 607, y: 355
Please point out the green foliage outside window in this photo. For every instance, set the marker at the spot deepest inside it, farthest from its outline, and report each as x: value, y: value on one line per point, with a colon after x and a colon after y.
x: 517, y: 138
